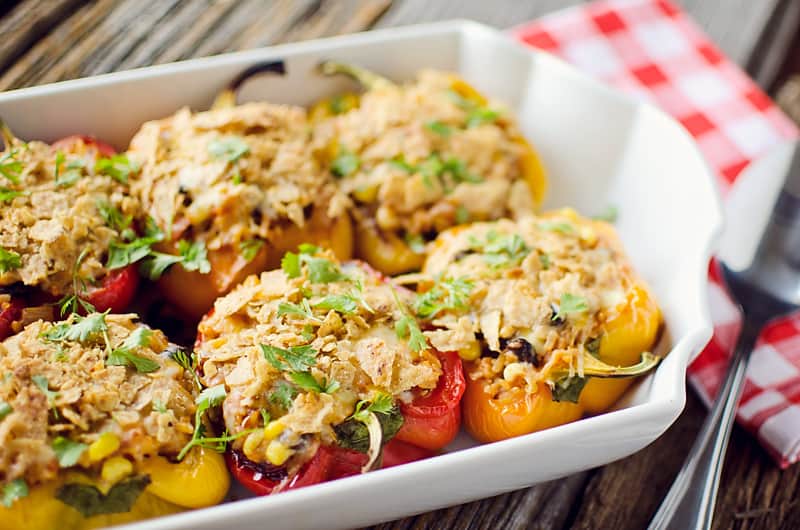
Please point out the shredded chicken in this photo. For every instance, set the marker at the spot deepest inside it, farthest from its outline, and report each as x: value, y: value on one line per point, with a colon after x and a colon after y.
x: 428, y: 158
x: 356, y: 347
x: 151, y: 413
x: 56, y: 214
x: 231, y: 174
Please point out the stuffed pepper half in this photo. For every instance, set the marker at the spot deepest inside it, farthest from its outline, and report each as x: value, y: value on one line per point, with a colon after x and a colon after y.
x: 63, y: 208
x: 549, y: 314
x: 323, y: 364
x: 94, y: 416
x: 421, y: 157
x: 232, y: 189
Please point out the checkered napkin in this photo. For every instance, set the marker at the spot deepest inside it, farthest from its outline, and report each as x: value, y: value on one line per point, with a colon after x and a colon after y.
x: 652, y: 50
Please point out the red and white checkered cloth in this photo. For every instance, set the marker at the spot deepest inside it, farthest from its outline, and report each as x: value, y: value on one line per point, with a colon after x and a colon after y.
x: 653, y: 50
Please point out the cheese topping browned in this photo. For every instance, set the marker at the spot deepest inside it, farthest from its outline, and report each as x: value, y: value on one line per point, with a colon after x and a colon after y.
x: 420, y: 157
x: 230, y: 174
x: 333, y: 323
x: 52, y: 387
x: 54, y: 213
x: 541, y: 290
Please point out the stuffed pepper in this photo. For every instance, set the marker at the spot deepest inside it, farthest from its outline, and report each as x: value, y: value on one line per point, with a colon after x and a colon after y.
x: 63, y: 208
x: 98, y: 426
x: 549, y: 314
x: 232, y: 189
x: 324, y: 369
x: 420, y: 157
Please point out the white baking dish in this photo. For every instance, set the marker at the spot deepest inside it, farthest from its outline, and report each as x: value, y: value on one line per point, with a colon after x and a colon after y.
x: 599, y: 147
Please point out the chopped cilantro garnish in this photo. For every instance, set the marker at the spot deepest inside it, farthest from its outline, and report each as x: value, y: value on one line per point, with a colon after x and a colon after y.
x: 72, y: 173
x: 501, y: 250
x: 399, y: 162
x: 446, y: 295
x: 345, y: 163
x: 8, y: 195
x: 119, y: 167
x: 462, y: 215
x: 41, y: 382
x: 342, y: 303
x: 416, y: 243
x: 456, y: 169
x: 306, y: 381
x: 5, y: 409
x: 407, y: 327
x: 16, y: 489
x: 439, y: 128
x: 9, y: 260
x: 382, y: 403
x: 113, y: 217
x: 481, y: 115
x: 283, y: 394
x: 544, y: 260
x: 295, y: 358
x: 302, y: 309
x: 72, y: 302
x: 570, y: 304
x: 159, y: 406
x: 10, y: 167
x: 249, y: 248
x: 67, y: 452
x: 123, y: 355
x: 192, y: 257
x: 228, y: 148
x: 80, y: 329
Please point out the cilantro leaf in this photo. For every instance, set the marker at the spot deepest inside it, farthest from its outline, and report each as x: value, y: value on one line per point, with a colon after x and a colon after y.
x: 544, y: 260
x: 321, y: 270
x: 303, y: 309
x: 407, y: 327
x: 8, y: 195
x: 67, y: 452
x: 16, y: 489
x: 306, y: 381
x: 399, y: 162
x: 10, y: 167
x: 445, y: 295
x: 69, y: 177
x: 113, y: 217
x: 123, y: 254
x: 228, y: 148
x: 570, y: 304
x: 156, y: 263
x: 345, y: 163
x: 211, y: 396
x: 9, y: 260
x: 345, y: 304
x: 502, y: 250
x: 296, y: 358
x: 5, y: 409
x: 290, y: 263
x: 481, y: 115
x: 283, y: 394
x: 249, y: 248
x: 119, y: 167
x: 439, y: 128
x: 41, y: 382
x: 123, y: 357
x: 194, y: 256
x: 80, y: 329
x: 382, y: 403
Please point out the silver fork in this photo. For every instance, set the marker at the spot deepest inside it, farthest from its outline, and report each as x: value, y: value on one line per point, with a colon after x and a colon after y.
x: 760, y: 256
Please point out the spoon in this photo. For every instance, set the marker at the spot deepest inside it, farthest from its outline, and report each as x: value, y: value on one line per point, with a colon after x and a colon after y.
x: 760, y: 257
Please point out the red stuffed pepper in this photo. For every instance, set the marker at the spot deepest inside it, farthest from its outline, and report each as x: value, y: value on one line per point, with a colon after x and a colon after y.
x: 64, y: 209
x: 326, y: 372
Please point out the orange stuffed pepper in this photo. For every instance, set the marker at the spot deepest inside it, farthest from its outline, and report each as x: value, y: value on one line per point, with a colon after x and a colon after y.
x: 549, y: 314
x: 421, y: 157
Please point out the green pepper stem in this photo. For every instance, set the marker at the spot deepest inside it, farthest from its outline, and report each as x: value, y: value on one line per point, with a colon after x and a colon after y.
x: 592, y: 366
x: 367, y: 79
x: 227, y: 97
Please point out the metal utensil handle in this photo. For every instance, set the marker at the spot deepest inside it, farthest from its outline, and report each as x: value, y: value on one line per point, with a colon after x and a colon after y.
x: 689, y: 504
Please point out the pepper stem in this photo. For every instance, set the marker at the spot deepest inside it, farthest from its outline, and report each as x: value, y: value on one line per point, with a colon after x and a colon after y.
x: 227, y: 97
x: 592, y: 366
x: 375, y: 442
x: 367, y: 79
x: 7, y: 135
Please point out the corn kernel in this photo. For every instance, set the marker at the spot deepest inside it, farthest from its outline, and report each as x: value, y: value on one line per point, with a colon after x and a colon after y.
x: 471, y: 352
x: 277, y: 453
x: 366, y: 194
x: 588, y: 235
x: 512, y: 371
x: 115, y: 469
x: 273, y: 430
x: 251, y: 443
x: 103, y: 446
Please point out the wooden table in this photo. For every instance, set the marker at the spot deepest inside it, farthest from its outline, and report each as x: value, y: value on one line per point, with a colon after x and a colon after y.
x: 51, y: 40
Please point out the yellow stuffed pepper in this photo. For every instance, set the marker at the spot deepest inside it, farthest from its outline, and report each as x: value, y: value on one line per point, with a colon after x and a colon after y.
x: 99, y: 425
x: 418, y: 158
x: 549, y: 314
x: 229, y: 191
